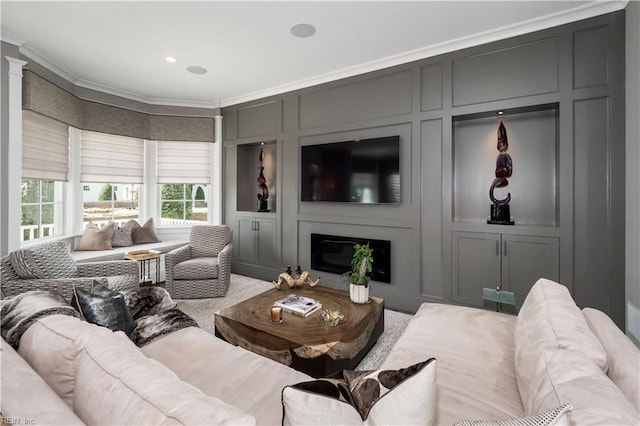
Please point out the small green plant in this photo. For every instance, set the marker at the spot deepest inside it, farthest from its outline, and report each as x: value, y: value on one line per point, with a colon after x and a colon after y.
x: 360, y: 265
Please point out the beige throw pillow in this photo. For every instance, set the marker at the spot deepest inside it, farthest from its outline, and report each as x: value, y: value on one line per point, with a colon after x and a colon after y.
x: 145, y: 233
x: 95, y: 238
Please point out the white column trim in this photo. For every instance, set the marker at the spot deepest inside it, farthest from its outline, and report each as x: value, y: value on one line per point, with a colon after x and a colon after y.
x: 14, y: 154
x: 215, y: 206
x: 75, y: 191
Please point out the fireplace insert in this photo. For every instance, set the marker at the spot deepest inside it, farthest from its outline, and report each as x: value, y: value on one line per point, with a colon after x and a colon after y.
x: 331, y: 253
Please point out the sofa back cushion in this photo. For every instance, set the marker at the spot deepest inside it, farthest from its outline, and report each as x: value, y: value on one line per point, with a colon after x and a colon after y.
x: 51, y: 344
x: 48, y: 260
x: 565, y: 376
x: 623, y: 356
x: 118, y: 384
x: 209, y: 240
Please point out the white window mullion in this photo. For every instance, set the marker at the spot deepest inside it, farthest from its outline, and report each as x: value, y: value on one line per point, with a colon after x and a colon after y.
x: 150, y: 193
x: 214, y: 212
x: 74, y: 190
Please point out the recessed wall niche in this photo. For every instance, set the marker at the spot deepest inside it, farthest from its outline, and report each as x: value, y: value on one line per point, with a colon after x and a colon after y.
x: 533, y: 146
x: 247, y: 175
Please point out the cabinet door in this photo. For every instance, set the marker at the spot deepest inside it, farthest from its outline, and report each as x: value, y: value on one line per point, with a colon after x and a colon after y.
x: 525, y: 259
x: 476, y: 264
x: 245, y: 245
x: 267, y: 250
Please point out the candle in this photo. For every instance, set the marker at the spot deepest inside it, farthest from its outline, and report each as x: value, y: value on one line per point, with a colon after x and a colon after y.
x: 276, y: 314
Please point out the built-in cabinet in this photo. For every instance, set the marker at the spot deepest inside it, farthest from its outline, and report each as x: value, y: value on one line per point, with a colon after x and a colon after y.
x: 511, y: 262
x: 255, y: 242
x: 560, y: 92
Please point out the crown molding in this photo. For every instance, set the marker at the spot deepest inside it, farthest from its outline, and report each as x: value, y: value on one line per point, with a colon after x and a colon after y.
x: 560, y: 18
x: 594, y: 8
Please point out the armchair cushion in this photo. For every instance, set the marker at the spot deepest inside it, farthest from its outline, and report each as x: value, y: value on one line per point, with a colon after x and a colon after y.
x: 198, y: 268
x: 95, y: 238
x: 206, y: 240
x: 51, y: 260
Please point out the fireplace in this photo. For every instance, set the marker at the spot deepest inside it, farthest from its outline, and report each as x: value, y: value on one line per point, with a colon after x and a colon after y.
x: 331, y: 253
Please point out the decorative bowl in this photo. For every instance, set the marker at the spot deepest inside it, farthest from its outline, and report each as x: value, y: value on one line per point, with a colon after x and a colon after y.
x: 332, y: 317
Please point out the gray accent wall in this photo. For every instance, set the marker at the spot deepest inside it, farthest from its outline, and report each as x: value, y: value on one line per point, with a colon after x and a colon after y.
x: 566, y: 84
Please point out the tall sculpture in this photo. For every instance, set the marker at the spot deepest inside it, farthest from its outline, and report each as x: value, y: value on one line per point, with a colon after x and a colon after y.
x: 262, y: 185
x: 500, y: 212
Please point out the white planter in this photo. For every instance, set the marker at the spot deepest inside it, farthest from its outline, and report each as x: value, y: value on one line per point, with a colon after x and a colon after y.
x: 359, y: 293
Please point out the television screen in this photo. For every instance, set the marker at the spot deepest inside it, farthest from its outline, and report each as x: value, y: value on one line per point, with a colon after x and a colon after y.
x: 361, y: 171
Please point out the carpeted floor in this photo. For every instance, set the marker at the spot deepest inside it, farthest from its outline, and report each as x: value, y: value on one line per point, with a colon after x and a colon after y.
x: 242, y: 287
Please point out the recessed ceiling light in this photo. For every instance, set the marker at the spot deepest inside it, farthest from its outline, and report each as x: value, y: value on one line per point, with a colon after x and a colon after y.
x: 196, y: 70
x: 303, y: 30
x: 170, y: 59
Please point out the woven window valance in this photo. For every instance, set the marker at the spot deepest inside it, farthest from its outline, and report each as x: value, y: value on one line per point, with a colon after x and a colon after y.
x: 46, y: 98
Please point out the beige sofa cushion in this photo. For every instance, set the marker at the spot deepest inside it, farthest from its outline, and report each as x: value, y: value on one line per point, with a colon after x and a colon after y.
x: 474, y: 351
x: 118, y: 384
x: 622, y: 355
x: 96, y: 238
x: 564, y: 376
x: 550, y: 319
x: 241, y: 378
x: 26, y: 396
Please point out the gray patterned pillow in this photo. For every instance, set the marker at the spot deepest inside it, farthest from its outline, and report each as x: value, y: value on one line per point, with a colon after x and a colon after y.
x: 548, y: 418
x: 123, y: 235
x: 49, y: 260
x: 404, y: 396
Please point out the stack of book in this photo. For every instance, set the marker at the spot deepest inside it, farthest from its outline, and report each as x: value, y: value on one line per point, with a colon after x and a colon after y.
x: 298, y: 305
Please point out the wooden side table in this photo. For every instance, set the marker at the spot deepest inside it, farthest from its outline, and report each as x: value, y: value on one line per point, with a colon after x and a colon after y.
x: 144, y: 258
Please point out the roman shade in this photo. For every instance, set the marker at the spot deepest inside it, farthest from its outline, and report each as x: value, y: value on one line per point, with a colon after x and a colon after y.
x: 184, y: 162
x: 45, y: 147
x: 110, y: 158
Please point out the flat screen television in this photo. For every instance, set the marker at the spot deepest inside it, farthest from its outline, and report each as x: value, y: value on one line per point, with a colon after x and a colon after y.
x: 363, y: 171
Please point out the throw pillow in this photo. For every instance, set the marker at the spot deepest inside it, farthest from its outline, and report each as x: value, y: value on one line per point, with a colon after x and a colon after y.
x: 123, y: 235
x: 148, y: 301
x: 49, y: 260
x: 404, y: 396
x: 95, y: 238
x: 145, y: 233
x: 103, y: 306
x: 556, y: 416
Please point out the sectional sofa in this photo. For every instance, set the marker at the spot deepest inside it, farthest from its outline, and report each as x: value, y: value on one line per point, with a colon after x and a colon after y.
x: 489, y: 366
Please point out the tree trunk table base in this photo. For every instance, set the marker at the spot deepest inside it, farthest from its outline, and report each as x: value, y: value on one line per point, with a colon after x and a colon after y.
x: 306, y: 344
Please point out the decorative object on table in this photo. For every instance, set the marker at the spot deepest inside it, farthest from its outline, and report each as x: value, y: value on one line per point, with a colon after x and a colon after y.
x: 276, y: 314
x: 298, y: 305
x: 332, y: 317
x: 262, y: 185
x: 300, y: 279
x: 360, y: 274
x: 500, y: 212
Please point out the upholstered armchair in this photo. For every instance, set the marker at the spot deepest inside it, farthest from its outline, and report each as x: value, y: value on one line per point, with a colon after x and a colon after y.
x: 202, y: 268
x: 50, y: 266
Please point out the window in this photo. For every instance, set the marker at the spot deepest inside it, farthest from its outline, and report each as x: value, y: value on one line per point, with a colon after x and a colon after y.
x: 103, y: 202
x: 42, y: 209
x: 183, y: 203
x: 183, y: 173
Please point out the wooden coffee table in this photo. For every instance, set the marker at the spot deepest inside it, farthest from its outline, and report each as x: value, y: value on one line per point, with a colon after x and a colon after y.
x: 306, y: 344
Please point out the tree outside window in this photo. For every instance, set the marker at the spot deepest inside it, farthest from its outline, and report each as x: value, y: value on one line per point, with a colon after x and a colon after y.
x: 41, y: 213
x: 183, y: 203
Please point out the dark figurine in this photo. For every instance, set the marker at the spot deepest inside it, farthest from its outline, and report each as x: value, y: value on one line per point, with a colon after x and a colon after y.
x: 262, y: 184
x: 504, y: 167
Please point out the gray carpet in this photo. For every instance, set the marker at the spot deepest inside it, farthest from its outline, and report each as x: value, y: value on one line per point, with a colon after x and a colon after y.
x: 242, y: 287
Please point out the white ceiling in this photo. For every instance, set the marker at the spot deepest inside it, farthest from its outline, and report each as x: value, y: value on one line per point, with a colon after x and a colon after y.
x: 119, y: 46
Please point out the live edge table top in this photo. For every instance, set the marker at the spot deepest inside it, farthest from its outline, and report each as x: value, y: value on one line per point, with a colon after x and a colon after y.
x: 306, y: 344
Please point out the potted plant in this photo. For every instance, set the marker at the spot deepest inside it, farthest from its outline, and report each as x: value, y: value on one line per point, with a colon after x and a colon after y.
x: 359, y: 275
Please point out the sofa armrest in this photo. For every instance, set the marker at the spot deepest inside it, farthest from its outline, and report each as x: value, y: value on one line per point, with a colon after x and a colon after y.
x: 224, y: 265
x: 178, y: 255
x: 108, y: 268
x: 64, y: 286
